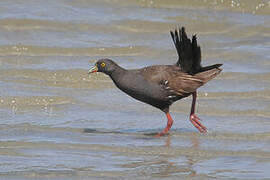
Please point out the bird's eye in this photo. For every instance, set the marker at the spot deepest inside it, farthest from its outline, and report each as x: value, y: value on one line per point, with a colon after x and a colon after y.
x: 103, y: 64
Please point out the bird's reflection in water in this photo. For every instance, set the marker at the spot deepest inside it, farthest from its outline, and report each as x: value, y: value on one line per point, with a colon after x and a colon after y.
x: 191, y: 160
x: 195, y: 143
x: 168, y: 141
x: 166, y: 164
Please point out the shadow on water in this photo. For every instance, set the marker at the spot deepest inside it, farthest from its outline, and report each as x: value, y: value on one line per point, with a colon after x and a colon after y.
x: 146, y: 132
x: 147, y: 135
x: 97, y: 131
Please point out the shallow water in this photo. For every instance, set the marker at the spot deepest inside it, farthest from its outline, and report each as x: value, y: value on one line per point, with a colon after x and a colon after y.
x: 56, y: 122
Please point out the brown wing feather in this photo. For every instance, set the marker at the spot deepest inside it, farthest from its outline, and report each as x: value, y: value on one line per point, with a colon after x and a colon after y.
x: 159, y: 73
x: 174, y: 81
x: 184, y: 84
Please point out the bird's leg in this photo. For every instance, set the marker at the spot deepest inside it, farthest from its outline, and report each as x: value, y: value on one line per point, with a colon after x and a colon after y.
x: 168, y: 127
x: 195, y: 119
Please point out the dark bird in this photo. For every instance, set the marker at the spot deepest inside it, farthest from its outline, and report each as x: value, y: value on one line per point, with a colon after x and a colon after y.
x: 162, y: 85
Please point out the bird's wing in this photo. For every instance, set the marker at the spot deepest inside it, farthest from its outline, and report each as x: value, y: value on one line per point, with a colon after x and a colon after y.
x: 172, y: 80
x: 183, y: 83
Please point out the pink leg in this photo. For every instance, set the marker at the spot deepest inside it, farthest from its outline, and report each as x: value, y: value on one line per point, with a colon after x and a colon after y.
x: 168, y: 127
x: 195, y: 119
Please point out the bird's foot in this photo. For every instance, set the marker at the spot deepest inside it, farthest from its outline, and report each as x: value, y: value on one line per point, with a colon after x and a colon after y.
x: 165, y: 131
x: 168, y: 127
x: 161, y: 134
x: 195, y: 120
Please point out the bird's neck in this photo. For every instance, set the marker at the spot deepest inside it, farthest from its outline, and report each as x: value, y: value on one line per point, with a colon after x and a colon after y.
x: 117, y: 73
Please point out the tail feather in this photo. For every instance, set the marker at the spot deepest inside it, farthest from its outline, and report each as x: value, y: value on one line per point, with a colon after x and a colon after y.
x: 189, y: 53
x: 206, y: 68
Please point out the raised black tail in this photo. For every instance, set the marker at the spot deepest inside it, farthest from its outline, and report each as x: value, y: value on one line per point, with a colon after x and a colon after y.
x: 189, y: 53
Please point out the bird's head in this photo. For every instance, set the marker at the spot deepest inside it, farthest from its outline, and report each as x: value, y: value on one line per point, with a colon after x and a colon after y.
x: 106, y: 66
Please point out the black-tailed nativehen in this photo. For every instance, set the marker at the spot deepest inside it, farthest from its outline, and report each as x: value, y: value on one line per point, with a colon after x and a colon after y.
x: 162, y: 85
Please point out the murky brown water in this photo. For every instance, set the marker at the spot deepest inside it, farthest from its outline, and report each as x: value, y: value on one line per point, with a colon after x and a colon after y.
x: 58, y: 123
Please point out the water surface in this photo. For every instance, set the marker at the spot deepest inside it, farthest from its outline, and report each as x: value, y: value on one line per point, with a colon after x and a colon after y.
x: 56, y: 122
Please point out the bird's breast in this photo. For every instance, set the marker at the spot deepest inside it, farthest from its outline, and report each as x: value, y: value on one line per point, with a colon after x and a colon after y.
x: 136, y: 86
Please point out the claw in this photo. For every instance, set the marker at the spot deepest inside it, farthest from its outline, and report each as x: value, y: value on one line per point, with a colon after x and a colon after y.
x: 195, y: 120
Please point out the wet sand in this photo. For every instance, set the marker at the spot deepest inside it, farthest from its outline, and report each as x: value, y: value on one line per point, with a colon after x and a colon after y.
x: 56, y: 122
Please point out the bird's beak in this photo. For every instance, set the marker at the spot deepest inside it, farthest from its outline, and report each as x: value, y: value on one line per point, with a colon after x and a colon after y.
x: 93, y: 70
